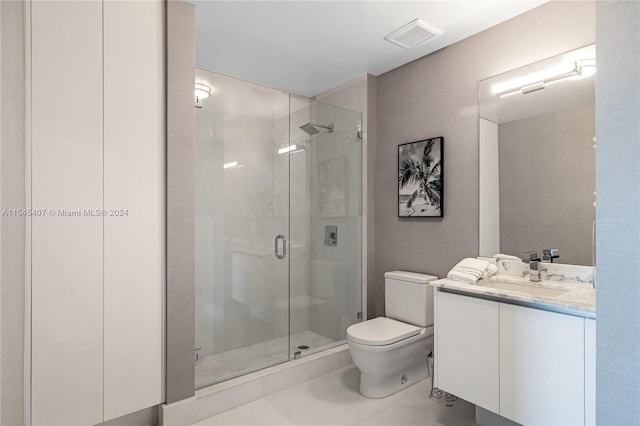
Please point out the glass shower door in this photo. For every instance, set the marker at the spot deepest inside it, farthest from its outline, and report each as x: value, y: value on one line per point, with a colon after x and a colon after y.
x: 326, y: 225
x: 242, y: 228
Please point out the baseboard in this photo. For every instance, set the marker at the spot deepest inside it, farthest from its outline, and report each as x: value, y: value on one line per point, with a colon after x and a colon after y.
x: 145, y: 417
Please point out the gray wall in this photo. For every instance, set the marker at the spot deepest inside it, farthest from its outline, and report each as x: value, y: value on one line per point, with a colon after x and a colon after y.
x: 618, y: 213
x: 12, y: 196
x: 437, y: 95
x: 547, y: 180
x: 180, y: 201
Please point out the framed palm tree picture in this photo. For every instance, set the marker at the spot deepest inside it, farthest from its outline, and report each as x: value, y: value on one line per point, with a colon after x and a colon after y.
x: 420, y: 178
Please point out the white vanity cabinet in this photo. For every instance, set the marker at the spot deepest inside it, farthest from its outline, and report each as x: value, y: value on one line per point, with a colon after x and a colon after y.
x: 541, y: 366
x: 531, y: 366
x: 467, y: 349
x: 590, y: 371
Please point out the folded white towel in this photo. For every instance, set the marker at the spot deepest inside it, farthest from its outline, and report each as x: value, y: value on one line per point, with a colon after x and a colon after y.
x: 461, y: 276
x: 469, y: 270
x: 506, y: 257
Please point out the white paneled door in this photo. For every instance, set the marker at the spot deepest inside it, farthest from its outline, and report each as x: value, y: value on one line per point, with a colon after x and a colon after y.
x: 97, y: 171
x: 133, y: 99
x: 66, y: 115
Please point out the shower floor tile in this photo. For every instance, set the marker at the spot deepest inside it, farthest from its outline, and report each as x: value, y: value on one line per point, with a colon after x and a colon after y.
x: 217, y: 367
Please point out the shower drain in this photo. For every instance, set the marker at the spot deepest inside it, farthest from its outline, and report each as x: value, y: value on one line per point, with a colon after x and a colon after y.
x: 303, y: 347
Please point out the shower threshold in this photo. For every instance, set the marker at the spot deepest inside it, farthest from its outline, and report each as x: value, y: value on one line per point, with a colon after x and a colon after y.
x: 226, y: 365
x: 215, y: 399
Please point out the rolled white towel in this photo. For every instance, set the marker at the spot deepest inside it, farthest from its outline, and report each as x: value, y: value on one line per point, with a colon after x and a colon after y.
x: 468, y: 270
x: 501, y: 256
x: 490, y: 271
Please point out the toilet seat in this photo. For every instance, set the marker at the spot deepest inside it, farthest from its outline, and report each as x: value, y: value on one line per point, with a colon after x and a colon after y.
x: 381, y: 331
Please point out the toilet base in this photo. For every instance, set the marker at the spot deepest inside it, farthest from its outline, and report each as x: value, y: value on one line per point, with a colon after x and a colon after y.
x: 386, y: 369
x: 376, y: 386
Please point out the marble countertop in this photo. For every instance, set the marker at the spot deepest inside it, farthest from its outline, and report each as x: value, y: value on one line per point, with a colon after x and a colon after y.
x: 577, y: 299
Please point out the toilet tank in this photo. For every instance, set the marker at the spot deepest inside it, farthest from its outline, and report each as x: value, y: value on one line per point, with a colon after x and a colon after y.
x: 409, y: 297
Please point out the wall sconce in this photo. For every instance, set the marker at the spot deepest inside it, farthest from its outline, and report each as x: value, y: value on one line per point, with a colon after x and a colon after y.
x: 539, y: 80
x: 202, y: 91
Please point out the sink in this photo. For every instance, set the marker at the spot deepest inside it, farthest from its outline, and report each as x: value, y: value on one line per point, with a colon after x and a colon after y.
x: 533, y: 290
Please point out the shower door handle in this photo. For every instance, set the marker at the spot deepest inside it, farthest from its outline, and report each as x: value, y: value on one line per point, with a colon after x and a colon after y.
x: 276, y: 250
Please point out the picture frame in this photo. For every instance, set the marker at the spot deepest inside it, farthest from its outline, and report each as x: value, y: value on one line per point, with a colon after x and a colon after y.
x: 420, y: 178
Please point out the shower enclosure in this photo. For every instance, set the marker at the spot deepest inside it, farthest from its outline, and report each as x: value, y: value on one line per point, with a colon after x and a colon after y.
x: 278, y: 226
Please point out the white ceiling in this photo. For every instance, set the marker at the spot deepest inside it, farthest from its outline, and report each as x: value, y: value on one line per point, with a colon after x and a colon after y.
x: 308, y: 47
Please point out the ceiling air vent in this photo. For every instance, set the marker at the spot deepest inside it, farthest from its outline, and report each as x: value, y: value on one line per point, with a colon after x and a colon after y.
x: 412, y: 34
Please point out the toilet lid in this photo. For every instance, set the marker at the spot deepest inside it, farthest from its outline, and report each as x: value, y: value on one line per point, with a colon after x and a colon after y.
x: 381, y: 331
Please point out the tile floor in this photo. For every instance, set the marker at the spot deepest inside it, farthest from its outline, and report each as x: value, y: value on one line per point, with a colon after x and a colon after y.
x: 231, y: 363
x: 333, y: 399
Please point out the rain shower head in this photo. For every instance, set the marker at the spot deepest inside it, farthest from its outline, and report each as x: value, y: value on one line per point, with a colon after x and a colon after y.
x: 312, y: 129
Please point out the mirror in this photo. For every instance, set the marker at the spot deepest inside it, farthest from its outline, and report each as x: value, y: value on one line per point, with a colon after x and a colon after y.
x: 537, y: 159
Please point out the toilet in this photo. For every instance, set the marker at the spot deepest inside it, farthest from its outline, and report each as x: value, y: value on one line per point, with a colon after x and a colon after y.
x: 391, y: 352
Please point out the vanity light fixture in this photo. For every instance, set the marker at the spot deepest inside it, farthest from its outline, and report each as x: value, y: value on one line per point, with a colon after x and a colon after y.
x: 540, y: 79
x: 290, y: 149
x: 587, y: 69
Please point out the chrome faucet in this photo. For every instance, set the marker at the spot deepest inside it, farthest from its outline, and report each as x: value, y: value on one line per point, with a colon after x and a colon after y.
x: 532, y: 256
x: 536, y: 271
x: 549, y: 254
